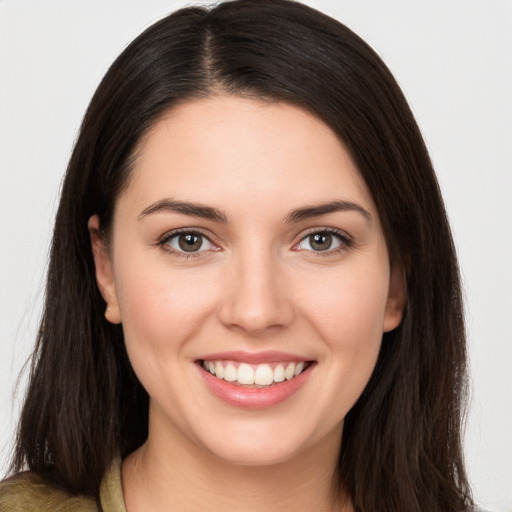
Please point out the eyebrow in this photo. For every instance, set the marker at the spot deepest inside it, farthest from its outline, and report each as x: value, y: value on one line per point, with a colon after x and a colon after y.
x: 325, y: 208
x: 185, y: 208
x: 210, y: 213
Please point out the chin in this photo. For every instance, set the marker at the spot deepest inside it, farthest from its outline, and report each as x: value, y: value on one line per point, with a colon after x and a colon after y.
x: 258, y: 445
x: 256, y: 456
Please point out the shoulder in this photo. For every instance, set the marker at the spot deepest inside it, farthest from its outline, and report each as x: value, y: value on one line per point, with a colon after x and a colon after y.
x: 30, y: 493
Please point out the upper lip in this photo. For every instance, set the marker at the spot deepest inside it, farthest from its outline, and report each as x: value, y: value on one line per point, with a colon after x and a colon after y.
x: 268, y: 356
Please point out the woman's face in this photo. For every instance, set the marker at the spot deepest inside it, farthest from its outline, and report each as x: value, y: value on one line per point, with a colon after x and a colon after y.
x: 250, y: 273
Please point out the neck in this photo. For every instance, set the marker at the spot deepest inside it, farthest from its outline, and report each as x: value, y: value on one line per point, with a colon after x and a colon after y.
x: 181, y: 476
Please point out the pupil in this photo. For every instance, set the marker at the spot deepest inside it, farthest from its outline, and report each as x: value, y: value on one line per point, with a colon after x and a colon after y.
x: 190, y: 242
x: 321, y: 241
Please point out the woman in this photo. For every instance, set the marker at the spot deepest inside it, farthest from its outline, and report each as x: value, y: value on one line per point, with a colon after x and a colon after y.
x: 253, y: 297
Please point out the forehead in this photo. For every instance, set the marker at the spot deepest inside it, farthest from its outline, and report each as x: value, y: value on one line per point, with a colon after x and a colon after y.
x: 224, y: 150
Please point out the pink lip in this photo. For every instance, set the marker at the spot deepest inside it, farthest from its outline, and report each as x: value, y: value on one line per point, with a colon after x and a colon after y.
x: 251, y: 397
x: 269, y: 356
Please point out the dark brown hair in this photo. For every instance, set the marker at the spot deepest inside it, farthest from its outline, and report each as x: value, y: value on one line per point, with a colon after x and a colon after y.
x: 401, y: 449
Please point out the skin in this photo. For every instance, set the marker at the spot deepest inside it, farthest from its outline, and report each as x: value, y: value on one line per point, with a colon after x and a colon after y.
x: 259, y: 285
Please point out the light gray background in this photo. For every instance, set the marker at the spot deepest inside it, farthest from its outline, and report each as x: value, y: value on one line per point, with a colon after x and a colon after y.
x: 454, y: 61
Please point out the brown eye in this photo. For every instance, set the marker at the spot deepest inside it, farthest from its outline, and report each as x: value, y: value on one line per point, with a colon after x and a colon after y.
x: 322, y: 241
x: 189, y: 242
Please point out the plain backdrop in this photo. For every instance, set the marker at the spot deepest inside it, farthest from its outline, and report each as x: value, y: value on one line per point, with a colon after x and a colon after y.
x: 453, y: 59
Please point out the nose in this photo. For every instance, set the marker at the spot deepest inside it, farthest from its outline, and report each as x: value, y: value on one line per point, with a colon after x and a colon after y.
x: 255, y: 296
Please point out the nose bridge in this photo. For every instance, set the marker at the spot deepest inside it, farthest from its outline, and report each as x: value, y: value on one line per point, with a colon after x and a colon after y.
x: 256, y: 297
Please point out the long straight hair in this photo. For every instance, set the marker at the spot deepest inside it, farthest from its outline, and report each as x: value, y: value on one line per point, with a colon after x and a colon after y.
x: 401, y: 449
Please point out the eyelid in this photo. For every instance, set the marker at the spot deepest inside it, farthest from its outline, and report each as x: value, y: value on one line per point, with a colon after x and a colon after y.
x: 163, y: 241
x: 345, y: 239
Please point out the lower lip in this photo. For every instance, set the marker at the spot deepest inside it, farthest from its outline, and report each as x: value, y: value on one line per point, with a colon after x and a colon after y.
x: 254, y: 398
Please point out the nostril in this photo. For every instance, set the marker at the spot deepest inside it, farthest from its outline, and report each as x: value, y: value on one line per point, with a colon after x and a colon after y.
x: 256, y: 318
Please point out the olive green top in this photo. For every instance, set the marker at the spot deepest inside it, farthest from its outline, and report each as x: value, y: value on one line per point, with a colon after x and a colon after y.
x: 27, y: 492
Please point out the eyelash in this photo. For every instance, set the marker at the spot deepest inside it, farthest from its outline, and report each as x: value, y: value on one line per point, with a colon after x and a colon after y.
x: 163, y: 243
x: 343, y: 238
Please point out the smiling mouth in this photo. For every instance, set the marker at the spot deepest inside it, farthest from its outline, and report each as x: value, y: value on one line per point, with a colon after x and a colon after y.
x: 255, y: 375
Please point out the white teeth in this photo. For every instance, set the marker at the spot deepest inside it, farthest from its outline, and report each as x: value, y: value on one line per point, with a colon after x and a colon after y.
x: 245, y: 374
x: 263, y: 376
x: 230, y: 373
x: 279, y: 373
x: 289, y: 372
x: 219, y: 370
x: 260, y: 375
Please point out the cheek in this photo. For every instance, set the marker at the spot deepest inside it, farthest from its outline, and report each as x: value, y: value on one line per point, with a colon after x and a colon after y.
x: 161, y: 311
x: 160, y: 308
x: 348, y: 313
x: 351, y: 304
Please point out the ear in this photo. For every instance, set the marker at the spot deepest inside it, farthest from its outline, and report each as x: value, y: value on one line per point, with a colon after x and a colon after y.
x: 104, y: 275
x: 397, y: 296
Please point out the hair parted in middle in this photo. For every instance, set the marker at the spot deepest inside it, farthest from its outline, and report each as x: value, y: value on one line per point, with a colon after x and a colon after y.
x: 401, y: 448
